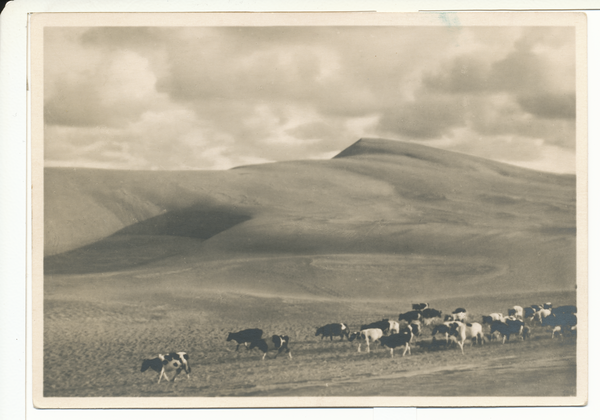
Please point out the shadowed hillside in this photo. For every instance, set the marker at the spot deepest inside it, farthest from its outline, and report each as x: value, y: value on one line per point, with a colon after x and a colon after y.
x: 379, y: 213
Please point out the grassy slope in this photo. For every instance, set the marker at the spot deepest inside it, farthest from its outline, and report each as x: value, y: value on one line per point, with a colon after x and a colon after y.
x: 382, y: 214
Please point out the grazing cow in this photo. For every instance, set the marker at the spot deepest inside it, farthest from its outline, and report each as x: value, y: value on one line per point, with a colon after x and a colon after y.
x: 383, y: 325
x: 368, y: 336
x: 488, y: 319
x: 420, y: 306
x: 429, y: 315
x: 516, y: 311
x: 245, y: 337
x: 277, y: 342
x: 459, y: 314
x: 410, y: 316
x: 402, y: 339
x: 164, y: 363
x: 507, y: 328
x: 331, y: 330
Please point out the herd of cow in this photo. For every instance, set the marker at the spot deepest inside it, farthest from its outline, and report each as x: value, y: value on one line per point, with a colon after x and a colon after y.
x: 445, y: 330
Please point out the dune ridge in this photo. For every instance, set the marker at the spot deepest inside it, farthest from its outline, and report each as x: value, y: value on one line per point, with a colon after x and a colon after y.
x: 393, y: 202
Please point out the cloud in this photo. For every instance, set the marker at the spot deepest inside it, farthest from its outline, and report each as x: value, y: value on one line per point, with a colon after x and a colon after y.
x: 549, y: 105
x: 216, y: 97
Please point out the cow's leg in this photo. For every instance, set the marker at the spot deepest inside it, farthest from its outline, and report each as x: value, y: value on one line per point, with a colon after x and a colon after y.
x: 392, y: 353
x: 163, y: 373
x: 406, y: 348
x: 237, y: 347
x: 264, y: 355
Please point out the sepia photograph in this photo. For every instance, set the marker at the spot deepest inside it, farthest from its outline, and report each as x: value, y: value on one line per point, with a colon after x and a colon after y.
x: 309, y: 209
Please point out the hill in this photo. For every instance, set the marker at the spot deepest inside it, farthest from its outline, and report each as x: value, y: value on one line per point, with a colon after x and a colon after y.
x: 379, y: 214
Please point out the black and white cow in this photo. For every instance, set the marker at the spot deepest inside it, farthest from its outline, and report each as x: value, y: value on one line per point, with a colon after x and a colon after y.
x: 463, y: 331
x: 529, y: 313
x: 429, y: 315
x: 541, y: 315
x: 560, y: 322
x: 402, y: 339
x: 383, y: 325
x: 420, y: 306
x: 507, y: 328
x: 277, y: 342
x: 516, y: 311
x: 245, y: 337
x: 459, y: 314
x: 443, y: 330
x: 369, y: 336
x: 410, y: 316
x: 175, y: 361
x: 488, y: 319
x: 567, y: 309
x: 331, y: 330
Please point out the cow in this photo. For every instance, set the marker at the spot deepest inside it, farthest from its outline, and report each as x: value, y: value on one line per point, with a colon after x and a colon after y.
x: 369, y: 336
x: 516, y: 311
x: 410, y: 316
x: 245, y: 337
x: 402, y: 339
x: 415, y: 328
x: 459, y: 314
x: 507, y: 328
x: 529, y: 313
x: 394, y: 327
x: 420, y: 306
x: 488, y: 319
x: 383, y: 325
x: 331, y: 330
x: 567, y: 309
x: 560, y: 322
x: 277, y: 342
x: 463, y: 331
x: 541, y: 315
x: 429, y: 315
x: 174, y: 361
x: 443, y: 329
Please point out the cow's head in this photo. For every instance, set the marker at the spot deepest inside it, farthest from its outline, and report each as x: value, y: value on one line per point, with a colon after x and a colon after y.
x: 353, y: 336
x: 230, y: 337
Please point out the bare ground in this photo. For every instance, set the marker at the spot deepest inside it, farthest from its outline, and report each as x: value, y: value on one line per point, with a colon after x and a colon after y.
x: 95, y: 348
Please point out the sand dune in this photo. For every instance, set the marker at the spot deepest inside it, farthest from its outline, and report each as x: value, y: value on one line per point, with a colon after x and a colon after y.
x: 435, y: 214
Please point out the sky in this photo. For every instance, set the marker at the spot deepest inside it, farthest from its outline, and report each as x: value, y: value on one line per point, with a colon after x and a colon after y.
x: 212, y: 98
